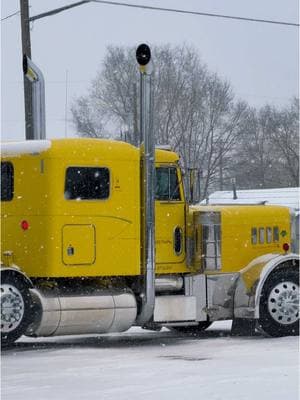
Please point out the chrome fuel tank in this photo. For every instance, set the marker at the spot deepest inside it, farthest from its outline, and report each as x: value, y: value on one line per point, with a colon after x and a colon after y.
x: 64, y: 313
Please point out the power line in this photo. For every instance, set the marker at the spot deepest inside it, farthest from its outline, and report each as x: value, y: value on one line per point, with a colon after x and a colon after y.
x: 11, y: 15
x: 266, y: 21
x: 172, y: 10
x: 58, y: 10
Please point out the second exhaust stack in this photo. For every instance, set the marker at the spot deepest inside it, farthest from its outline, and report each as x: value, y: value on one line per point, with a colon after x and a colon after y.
x: 35, y: 76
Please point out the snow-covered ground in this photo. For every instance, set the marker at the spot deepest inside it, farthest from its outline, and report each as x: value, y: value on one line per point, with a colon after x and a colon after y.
x: 144, y: 365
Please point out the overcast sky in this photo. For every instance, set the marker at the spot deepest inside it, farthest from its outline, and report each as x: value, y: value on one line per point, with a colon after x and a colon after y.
x: 260, y: 60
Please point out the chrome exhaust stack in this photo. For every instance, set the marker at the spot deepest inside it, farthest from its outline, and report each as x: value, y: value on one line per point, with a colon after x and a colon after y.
x: 143, y: 56
x: 35, y: 76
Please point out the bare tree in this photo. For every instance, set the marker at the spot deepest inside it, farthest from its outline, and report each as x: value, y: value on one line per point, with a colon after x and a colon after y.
x: 195, y: 113
x: 114, y: 90
x: 194, y: 109
x: 112, y: 97
x: 87, y: 120
x: 284, y: 137
x: 268, y: 151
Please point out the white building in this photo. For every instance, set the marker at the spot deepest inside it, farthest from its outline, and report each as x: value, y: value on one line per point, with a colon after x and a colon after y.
x: 284, y: 197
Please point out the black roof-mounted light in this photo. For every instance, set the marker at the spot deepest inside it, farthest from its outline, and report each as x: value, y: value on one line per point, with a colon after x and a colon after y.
x: 143, y: 54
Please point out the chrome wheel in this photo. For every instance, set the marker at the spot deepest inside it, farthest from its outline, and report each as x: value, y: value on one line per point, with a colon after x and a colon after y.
x: 12, y: 308
x: 283, y: 303
x: 279, y: 303
x: 15, y: 306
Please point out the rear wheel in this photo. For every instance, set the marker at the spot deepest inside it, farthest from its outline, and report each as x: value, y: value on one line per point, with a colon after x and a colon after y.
x: 15, y: 307
x: 193, y: 329
x: 279, y: 304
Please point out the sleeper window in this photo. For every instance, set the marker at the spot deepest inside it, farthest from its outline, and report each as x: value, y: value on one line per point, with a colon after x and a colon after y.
x: 87, y: 183
x: 7, y: 181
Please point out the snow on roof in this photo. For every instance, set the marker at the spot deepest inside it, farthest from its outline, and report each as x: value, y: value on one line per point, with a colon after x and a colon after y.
x: 10, y: 149
x: 284, y: 196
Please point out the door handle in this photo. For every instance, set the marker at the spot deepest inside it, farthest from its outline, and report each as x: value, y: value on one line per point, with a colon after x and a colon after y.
x: 70, y: 250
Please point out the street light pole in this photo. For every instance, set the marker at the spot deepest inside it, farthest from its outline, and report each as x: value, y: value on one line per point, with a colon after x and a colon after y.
x: 26, y: 49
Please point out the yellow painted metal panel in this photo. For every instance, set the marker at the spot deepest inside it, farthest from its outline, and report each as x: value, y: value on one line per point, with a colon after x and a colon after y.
x: 78, y: 245
x: 169, y: 216
x: 237, y: 250
x: 39, y: 198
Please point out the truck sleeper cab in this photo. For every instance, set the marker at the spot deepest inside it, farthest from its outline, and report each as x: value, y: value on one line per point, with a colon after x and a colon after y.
x: 72, y: 246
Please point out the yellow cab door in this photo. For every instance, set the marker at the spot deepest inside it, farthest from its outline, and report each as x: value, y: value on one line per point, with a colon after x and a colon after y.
x: 169, y: 218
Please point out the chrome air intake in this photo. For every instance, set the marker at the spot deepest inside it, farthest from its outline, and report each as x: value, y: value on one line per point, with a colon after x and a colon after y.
x: 209, y: 239
x: 168, y: 284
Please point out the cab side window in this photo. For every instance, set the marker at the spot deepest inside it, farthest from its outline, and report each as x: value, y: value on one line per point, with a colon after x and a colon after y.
x: 7, y: 181
x: 87, y: 183
x: 167, y: 184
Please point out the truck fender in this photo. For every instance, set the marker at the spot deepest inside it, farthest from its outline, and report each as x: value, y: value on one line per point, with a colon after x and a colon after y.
x: 252, y: 279
x: 290, y: 259
x: 14, y: 270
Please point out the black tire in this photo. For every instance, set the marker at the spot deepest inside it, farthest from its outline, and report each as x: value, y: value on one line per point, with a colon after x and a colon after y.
x: 279, y: 304
x: 15, y: 307
x: 193, y: 329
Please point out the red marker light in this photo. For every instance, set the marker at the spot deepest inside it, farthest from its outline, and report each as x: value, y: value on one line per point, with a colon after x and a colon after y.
x: 24, y: 225
x: 286, y: 246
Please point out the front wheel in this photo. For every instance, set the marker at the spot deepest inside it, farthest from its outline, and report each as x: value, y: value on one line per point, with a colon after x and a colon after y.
x: 15, y: 307
x: 279, y: 304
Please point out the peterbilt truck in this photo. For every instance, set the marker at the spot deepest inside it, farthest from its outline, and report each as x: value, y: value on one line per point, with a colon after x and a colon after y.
x: 97, y: 236
x: 74, y: 247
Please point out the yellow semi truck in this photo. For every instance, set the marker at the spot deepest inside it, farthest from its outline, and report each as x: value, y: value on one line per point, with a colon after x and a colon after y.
x: 74, y: 247
x: 97, y: 236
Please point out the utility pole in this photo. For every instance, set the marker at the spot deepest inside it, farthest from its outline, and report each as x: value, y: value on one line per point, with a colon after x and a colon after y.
x: 26, y: 49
